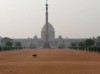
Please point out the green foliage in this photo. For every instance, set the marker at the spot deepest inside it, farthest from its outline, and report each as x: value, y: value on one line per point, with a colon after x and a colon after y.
x: 87, y: 45
x: 8, y: 44
x: 6, y: 39
x: 0, y: 48
x: 97, y: 43
x: 81, y: 44
x: 89, y: 42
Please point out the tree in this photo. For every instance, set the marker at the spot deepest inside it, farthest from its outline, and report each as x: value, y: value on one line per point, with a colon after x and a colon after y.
x: 73, y: 45
x: 5, y: 40
x: 9, y: 44
x: 98, y: 38
x: 81, y: 44
x: 89, y: 42
x: 6, y: 43
x: 97, y: 43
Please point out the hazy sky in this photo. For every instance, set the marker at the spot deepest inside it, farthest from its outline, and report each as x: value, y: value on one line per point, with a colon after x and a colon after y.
x: 70, y: 18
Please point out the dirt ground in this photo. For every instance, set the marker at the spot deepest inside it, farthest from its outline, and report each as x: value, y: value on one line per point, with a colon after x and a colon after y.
x: 49, y: 61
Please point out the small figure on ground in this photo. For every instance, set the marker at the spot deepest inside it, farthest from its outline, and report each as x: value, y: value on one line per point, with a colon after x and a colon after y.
x: 34, y: 55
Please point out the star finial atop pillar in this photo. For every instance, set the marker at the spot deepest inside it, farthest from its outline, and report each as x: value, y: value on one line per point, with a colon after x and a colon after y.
x: 46, y: 1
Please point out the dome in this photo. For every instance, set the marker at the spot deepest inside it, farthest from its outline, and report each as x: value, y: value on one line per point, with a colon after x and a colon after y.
x: 35, y: 37
x: 59, y: 37
x: 51, y: 32
x: 50, y: 27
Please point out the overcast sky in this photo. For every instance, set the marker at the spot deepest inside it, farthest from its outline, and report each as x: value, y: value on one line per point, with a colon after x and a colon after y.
x: 70, y: 18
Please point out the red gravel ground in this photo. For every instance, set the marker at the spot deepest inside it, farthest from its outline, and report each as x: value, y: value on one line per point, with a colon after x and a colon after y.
x: 49, y: 61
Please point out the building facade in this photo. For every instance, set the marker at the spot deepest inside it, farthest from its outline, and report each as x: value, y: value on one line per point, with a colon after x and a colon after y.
x: 47, y: 34
x: 54, y: 42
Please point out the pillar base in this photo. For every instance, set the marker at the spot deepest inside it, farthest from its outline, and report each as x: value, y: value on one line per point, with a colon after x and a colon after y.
x: 46, y: 45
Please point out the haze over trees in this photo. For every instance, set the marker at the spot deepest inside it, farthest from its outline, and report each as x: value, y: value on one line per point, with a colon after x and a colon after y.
x: 8, y: 44
x: 90, y: 44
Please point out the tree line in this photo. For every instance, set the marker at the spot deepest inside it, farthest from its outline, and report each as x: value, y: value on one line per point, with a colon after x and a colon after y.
x: 8, y: 44
x: 87, y: 45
